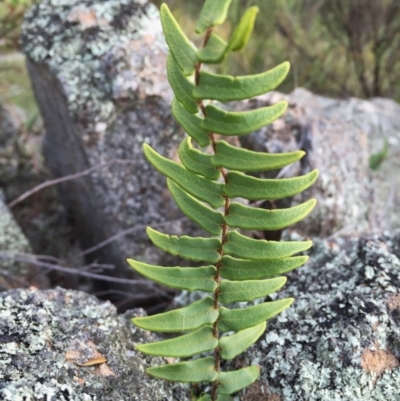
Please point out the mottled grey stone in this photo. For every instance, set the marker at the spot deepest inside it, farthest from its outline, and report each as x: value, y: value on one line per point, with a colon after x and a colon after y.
x: 352, y: 130
x: 337, y: 148
x: 12, y: 241
x: 339, y: 341
x: 46, y: 338
x: 8, y: 137
x: 98, y: 72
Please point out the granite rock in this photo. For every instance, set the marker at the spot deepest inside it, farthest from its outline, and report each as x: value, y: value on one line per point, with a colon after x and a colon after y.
x: 339, y: 341
x: 98, y: 72
x: 60, y: 345
x: 343, y: 189
x: 362, y: 126
x: 14, y: 274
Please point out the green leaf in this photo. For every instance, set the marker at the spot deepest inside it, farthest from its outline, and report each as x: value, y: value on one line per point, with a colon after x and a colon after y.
x: 243, y: 31
x: 240, y: 291
x: 197, y: 249
x: 199, y: 187
x: 248, y: 248
x: 235, y: 344
x: 240, y: 319
x: 208, y: 219
x: 244, y: 186
x: 196, y: 161
x: 181, y: 86
x: 225, y: 88
x: 181, y: 48
x: 191, y: 317
x: 182, y: 278
x: 240, y: 123
x: 230, y: 382
x: 377, y: 159
x: 205, y: 397
x: 234, y: 158
x: 189, y: 344
x: 241, y: 269
x: 214, y: 51
x: 224, y: 397
x: 190, y: 123
x: 221, y: 397
x: 200, y: 370
x: 213, y: 13
x: 250, y: 218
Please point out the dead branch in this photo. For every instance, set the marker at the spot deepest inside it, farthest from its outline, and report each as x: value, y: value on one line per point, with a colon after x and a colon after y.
x: 60, y: 180
x: 138, y: 227
x: 78, y: 271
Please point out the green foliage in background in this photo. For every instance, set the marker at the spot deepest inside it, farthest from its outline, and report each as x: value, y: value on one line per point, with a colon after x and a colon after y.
x: 205, y: 186
x: 11, y: 16
x: 378, y: 158
x: 336, y: 48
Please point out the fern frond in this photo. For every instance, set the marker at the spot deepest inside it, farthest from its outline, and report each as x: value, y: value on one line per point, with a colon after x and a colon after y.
x: 236, y: 267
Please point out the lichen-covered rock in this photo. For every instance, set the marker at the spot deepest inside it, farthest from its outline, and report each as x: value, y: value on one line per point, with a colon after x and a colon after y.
x: 353, y: 129
x: 8, y: 137
x: 338, y: 148
x: 60, y: 345
x: 339, y: 341
x: 12, y: 241
x: 98, y: 72
x: 338, y: 136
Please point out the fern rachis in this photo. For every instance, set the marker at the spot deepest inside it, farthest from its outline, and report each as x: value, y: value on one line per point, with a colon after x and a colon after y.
x: 236, y: 268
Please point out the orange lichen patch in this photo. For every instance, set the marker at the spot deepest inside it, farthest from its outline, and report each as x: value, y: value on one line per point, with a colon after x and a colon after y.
x: 375, y: 325
x: 79, y: 380
x: 85, y: 355
x: 104, y: 370
x: 393, y: 302
x: 93, y: 361
x: 87, y: 18
x: 72, y: 355
x: 259, y: 391
x: 378, y: 361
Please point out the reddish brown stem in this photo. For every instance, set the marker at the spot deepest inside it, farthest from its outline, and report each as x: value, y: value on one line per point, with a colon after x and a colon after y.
x: 217, y: 278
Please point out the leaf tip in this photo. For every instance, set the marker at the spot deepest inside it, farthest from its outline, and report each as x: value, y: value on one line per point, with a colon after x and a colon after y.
x: 150, y: 231
x: 286, y: 66
x: 130, y: 262
x: 136, y: 321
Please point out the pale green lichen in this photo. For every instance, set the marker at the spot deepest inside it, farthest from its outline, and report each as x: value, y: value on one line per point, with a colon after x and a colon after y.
x: 12, y: 240
x: 314, y: 350
x: 79, y: 42
x: 39, y: 328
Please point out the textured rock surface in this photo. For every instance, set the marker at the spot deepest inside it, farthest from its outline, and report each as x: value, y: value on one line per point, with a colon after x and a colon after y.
x: 337, y: 147
x: 345, y: 125
x: 8, y: 135
x: 98, y: 71
x: 12, y: 241
x: 60, y: 345
x: 339, y: 341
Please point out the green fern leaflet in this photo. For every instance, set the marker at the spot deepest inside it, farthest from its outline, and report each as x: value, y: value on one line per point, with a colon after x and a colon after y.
x: 235, y: 267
